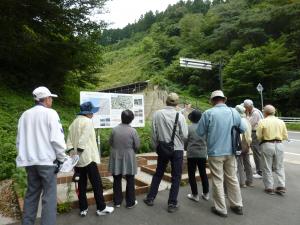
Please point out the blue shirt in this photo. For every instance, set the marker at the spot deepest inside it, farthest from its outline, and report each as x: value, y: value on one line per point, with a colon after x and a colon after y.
x: 215, y: 125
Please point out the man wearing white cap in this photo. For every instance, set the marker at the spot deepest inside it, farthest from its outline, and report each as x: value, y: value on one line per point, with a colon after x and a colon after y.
x: 40, y: 142
x: 216, y: 126
x: 254, y: 115
x: 271, y: 131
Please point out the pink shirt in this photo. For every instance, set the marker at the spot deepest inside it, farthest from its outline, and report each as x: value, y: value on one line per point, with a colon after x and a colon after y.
x: 254, y: 117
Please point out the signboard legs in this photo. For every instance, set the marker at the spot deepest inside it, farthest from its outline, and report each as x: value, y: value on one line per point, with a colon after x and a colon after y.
x: 98, y: 141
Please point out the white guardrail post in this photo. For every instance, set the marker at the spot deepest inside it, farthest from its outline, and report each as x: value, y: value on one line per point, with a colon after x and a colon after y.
x: 290, y: 119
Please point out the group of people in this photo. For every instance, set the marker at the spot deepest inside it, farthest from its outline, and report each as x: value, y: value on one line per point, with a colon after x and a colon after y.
x: 40, y: 143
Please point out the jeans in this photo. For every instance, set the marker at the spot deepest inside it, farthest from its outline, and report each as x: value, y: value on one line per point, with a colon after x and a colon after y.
x: 92, y: 172
x: 176, y: 170
x: 130, y: 190
x: 192, y: 164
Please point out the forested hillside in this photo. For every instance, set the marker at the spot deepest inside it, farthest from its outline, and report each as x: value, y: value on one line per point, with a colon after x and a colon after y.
x: 258, y: 41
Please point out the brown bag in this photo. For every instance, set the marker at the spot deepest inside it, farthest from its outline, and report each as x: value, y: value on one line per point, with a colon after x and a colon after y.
x: 245, y: 146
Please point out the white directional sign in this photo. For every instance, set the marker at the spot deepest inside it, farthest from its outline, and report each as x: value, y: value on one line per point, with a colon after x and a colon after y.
x: 259, y: 88
x: 194, y: 63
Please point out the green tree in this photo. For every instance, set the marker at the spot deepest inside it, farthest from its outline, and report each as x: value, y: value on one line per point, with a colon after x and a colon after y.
x: 41, y: 41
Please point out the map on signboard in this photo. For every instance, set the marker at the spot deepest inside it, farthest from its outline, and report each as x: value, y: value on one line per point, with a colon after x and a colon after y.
x: 111, y: 106
x: 122, y: 102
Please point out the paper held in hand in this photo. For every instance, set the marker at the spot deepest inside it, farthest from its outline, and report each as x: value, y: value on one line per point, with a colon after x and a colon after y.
x: 69, y: 164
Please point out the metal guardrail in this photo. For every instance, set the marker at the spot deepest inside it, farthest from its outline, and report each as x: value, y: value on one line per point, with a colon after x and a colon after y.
x: 290, y: 119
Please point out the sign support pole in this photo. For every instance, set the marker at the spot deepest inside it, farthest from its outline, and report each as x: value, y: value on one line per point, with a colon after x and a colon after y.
x: 98, y: 141
x: 260, y: 89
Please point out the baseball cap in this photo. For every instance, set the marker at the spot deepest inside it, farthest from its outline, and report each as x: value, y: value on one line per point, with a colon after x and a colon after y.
x: 217, y: 93
x: 42, y: 92
x: 173, y: 99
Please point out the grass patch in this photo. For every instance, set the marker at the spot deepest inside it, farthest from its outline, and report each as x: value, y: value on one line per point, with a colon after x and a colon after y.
x: 293, y: 126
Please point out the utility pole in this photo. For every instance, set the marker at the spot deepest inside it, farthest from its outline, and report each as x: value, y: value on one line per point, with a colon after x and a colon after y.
x: 220, y: 64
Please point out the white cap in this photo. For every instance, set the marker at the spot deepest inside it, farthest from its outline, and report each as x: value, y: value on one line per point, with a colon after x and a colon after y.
x: 42, y: 92
x: 217, y: 93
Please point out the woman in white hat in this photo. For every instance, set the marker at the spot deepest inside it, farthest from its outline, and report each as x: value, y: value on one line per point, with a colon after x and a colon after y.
x: 243, y: 161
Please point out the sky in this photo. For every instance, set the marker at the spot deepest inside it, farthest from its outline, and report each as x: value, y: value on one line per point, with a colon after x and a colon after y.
x: 122, y: 12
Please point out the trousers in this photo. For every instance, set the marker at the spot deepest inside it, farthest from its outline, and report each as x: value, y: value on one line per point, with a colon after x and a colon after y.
x: 201, y: 164
x: 223, y: 170
x: 40, y: 180
x: 176, y: 171
x: 90, y: 171
x: 272, y: 157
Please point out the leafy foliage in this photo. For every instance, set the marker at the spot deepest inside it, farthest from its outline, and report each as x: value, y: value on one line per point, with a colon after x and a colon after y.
x: 42, y: 41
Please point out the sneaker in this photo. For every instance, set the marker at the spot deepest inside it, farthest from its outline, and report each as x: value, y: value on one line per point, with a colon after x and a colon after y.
x: 105, y: 211
x: 257, y: 176
x: 172, y: 208
x: 237, y: 210
x: 205, y: 196
x: 269, y: 191
x: 193, y: 197
x: 117, y: 206
x: 148, y: 202
x: 83, y: 213
x: 215, y: 211
x: 130, y: 207
x: 243, y: 185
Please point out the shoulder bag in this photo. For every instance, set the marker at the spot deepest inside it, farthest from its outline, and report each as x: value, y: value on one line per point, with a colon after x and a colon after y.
x: 166, y: 149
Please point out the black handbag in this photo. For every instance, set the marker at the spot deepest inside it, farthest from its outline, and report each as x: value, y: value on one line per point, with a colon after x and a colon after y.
x: 166, y: 149
x: 236, y: 139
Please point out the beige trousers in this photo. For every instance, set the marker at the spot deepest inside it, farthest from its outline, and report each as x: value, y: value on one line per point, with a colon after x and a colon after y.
x: 223, y: 170
x: 272, y: 157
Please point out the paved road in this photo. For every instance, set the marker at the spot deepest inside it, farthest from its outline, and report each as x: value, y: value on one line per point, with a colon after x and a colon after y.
x: 259, y: 208
x: 292, y: 148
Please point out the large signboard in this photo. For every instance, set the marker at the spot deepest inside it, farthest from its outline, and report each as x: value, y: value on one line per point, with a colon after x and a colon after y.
x: 111, y: 106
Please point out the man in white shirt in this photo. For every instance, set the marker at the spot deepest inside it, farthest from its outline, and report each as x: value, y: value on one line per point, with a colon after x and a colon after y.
x: 40, y: 141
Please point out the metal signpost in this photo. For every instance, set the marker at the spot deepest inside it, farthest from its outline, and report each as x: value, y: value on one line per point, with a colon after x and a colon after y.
x: 260, y: 89
x: 202, y: 64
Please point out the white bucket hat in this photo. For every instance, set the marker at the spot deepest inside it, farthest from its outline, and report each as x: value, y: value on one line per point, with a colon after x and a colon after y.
x: 217, y: 93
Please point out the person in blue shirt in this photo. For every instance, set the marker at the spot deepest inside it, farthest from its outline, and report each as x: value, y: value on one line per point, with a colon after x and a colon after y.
x: 215, y: 125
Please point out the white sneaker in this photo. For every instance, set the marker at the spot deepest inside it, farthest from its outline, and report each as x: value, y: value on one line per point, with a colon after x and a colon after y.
x: 193, y: 197
x: 130, y: 207
x: 205, y: 196
x: 257, y: 176
x: 83, y: 213
x: 105, y: 211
